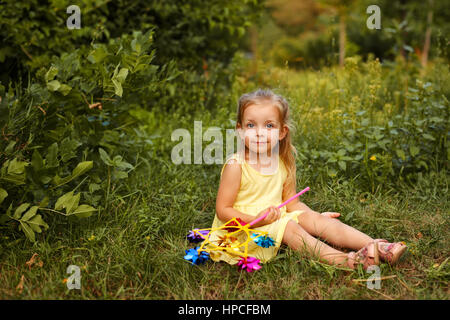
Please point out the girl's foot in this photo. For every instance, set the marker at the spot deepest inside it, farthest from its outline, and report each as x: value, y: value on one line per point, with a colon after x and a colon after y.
x: 374, y: 251
x: 390, y: 252
x: 366, y: 256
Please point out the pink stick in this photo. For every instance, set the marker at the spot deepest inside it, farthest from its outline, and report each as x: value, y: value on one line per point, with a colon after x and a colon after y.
x: 281, y: 205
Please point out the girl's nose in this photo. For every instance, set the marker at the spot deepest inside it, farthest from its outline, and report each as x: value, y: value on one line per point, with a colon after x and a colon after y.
x: 261, y: 131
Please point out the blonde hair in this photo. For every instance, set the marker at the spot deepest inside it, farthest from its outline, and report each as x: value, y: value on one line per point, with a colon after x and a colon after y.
x: 287, y: 151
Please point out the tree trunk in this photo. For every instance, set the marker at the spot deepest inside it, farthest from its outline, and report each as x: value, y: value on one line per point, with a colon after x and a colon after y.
x: 342, y: 39
x: 426, y: 46
x: 403, y: 33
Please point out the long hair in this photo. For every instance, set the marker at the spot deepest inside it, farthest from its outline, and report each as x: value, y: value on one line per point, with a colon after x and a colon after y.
x: 287, y: 151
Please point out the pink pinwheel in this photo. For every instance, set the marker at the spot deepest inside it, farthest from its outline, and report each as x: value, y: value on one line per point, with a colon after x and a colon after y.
x: 249, y: 263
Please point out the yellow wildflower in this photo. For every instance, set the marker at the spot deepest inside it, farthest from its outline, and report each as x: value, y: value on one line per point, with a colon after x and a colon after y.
x: 373, y: 158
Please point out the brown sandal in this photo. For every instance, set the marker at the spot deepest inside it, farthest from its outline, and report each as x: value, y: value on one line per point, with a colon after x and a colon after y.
x: 367, y: 256
x: 391, y: 252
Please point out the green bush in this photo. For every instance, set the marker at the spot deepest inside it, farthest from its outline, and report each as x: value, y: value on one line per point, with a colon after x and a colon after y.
x: 66, y: 138
x: 190, y: 32
x: 81, y: 110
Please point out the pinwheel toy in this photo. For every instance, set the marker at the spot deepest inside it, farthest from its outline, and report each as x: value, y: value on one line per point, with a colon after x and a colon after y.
x: 229, y: 241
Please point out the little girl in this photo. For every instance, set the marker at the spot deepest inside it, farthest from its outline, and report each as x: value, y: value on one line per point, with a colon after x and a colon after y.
x: 262, y: 175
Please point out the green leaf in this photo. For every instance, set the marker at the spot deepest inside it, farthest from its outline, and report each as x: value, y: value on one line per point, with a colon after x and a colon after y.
x: 51, y: 160
x: 28, y: 231
x: 401, y: 154
x: 413, y: 150
x: 72, y: 203
x: 68, y: 201
x: 4, y: 168
x: 37, y: 222
x: 122, y: 75
x: 118, y: 90
x: 64, y: 89
x: 53, y: 85
x: 20, y: 209
x: 68, y: 149
x: 45, y: 179
x: 97, y: 55
x: 10, y: 147
x: 30, y: 213
x: 61, y: 202
x: 44, y: 202
x: 51, y: 74
x: 105, y: 157
x: 84, y: 211
x: 35, y: 227
x: 3, y: 195
x: 118, y: 78
x: 342, y: 165
x: 81, y: 168
x: 94, y: 187
x: 136, y: 46
x: 428, y: 137
x: 36, y: 160
x: 332, y: 172
x: 423, y: 164
x: 120, y: 174
x: 17, y: 167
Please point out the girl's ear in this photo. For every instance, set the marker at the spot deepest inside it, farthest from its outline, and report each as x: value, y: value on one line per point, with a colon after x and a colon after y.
x: 283, y: 132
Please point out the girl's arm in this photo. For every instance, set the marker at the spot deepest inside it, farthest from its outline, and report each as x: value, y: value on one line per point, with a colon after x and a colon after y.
x: 228, y: 190
x: 298, y: 205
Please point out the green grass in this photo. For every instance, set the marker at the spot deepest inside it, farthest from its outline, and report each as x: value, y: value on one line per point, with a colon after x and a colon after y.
x: 134, y: 249
x: 124, y: 254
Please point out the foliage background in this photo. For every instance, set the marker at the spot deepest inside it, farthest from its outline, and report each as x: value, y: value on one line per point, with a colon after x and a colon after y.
x: 86, y: 118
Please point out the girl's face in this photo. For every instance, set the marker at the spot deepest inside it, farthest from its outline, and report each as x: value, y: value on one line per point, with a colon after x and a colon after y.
x: 261, y: 127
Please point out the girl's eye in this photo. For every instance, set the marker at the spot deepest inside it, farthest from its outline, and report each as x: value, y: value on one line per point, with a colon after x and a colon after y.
x: 270, y: 125
x: 250, y: 124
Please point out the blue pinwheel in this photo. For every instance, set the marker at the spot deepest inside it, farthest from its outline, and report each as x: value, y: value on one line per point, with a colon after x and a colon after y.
x: 263, y: 241
x: 195, y: 257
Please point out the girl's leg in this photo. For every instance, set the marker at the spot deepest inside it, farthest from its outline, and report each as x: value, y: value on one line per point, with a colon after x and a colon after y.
x: 333, y: 231
x: 298, y: 239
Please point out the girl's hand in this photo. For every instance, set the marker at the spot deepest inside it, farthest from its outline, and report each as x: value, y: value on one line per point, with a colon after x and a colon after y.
x: 331, y: 214
x: 274, y: 215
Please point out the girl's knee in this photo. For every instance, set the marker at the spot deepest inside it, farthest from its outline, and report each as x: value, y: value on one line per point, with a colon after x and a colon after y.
x: 315, y: 224
x: 293, y: 233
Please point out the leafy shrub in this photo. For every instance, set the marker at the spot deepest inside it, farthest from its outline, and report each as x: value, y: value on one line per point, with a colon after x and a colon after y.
x: 80, y: 110
x: 65, y: 137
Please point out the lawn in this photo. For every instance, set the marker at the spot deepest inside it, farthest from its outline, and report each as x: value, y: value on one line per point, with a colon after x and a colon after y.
x: 133, y: 247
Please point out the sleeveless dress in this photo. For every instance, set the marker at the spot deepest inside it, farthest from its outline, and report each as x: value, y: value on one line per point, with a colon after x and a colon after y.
x: 257, y: 192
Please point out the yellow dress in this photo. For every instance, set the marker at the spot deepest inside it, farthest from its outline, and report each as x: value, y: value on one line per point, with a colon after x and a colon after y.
x: 257, y: 192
